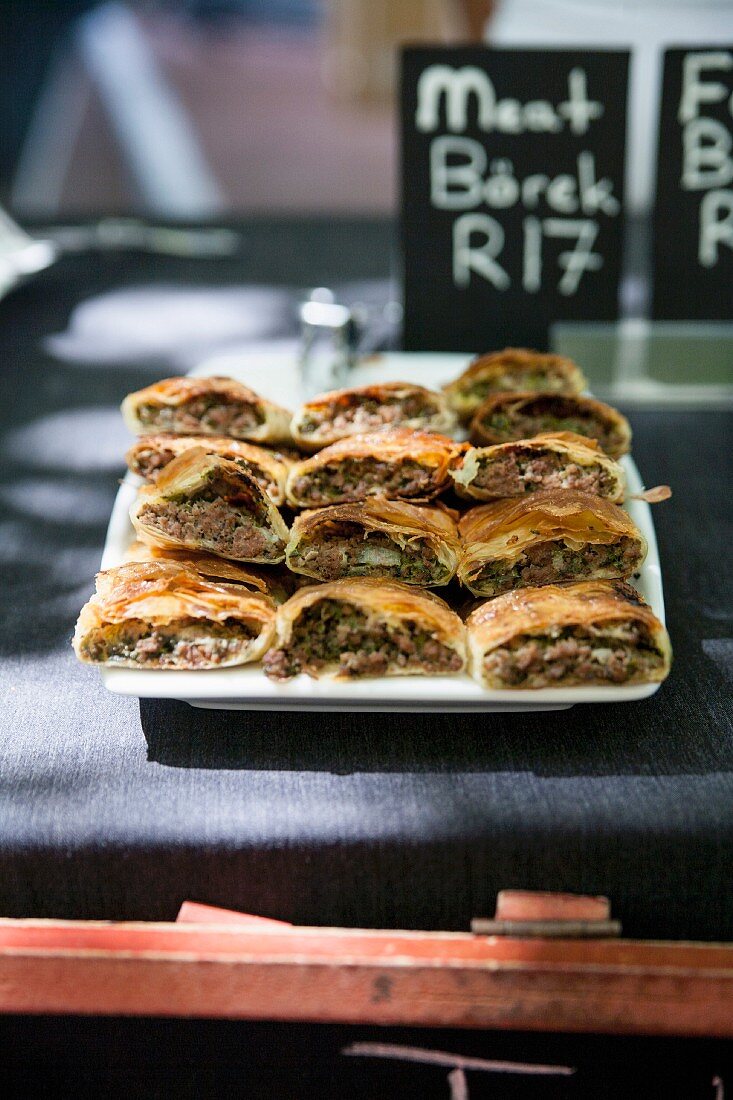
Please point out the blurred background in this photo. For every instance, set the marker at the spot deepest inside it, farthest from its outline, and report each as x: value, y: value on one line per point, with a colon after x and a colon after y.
x: 202, y: 107
x: 278, y: 118
x: 190, y: 108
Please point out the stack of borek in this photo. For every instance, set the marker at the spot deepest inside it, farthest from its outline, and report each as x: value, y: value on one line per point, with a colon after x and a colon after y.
x: 314, y: 540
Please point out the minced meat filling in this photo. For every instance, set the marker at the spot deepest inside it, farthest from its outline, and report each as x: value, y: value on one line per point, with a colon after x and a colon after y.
x: 550, y: 416
x: 217, y: 523
x: 189, y: 643
x: 149, y: 463
x: 616, y: 652
x: 516, y: 472
x: 518, y: 381
x: 210, y: 413
x: 355, y: 478
x: 235, y: 494
x: 331, y: 631
x: 347, y: 550
x: 366, y: 414
x: 551, y: 562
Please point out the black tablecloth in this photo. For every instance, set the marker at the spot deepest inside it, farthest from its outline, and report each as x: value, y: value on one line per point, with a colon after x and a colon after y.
x: 153, y: 1059
x: 119, y: 809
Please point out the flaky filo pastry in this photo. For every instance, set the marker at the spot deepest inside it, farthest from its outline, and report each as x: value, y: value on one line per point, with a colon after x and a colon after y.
x: 203, y: 502
x: 552, y: 460
x: 548, y: 537
x: 163, y: 615
x: 152, y: 453
x: 376, y: 538
x: 517, y: 370
x: 396, y: 463
x: 511, y: 416
x: 332, y: 416
x: 366, y: 627
x: 206, y: 406
x: 592, y: 633
x: 277, y: 583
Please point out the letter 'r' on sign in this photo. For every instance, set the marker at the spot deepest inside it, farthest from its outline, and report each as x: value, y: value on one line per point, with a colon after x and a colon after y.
x: 693, y: 213
x: 512, y: 192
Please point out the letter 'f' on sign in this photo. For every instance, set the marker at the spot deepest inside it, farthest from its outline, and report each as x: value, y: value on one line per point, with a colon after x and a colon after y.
x: 481, y: 256
x: 696, y: 91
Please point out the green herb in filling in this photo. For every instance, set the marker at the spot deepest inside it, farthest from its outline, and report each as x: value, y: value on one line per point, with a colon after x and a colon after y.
x: 332, y: 632
x: 615, y: 652
x: 191, y: 641
x: 552, y: 562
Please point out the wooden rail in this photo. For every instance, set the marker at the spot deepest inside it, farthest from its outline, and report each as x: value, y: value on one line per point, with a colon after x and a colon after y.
x: 268, y: 970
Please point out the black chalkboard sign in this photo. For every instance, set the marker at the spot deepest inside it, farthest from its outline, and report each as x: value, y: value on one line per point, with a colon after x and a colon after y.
x: 693, y: 217
x: 512, y: 192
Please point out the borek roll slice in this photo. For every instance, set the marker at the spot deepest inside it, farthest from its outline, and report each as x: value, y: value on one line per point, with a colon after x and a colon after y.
x: 592, y: 633
x: 366, y: 627
x: 553, y: 460
x: 376, y: 538
x: 163, y: 615
x: 203, y: 502
x: 275, y: 583
x: 513, y: 369
x: 396, y: 463
x: 333, y: 416
x: 206, y: 406
x: 512, y: 416
x: 151, y: 453
x: 549, y: 537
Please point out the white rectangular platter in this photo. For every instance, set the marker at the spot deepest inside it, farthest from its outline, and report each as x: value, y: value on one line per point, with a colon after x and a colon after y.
x: 277, y: 376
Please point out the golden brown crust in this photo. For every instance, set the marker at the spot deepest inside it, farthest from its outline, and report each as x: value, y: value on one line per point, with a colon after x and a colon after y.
x: 383, y: 601
x: 509, y: 371
x: 160, y: 591
x: 440, y: 419
x: 174, y: 392
x: 403, y: 523
x: 378, y: 514
x: 571, y: 438
x: 431, y: 450
x: 186, y: 477
x: 209, y: 566
x: 562, y: 406
x: 269, y: 467
x: 503, y: 530
x: 576, y: 449
x: 552, y: 509
x: 164, y: 593
x: 534, y: 611
x: 379, y: 597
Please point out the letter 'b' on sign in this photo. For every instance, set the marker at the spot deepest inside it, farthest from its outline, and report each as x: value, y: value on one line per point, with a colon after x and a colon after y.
x: 512, y: 192
x: 693, y: 216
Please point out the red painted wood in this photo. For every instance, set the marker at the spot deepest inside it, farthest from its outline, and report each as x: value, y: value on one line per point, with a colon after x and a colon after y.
x: 194, y: 912
x: 250, y: 971
x: 535, y: 905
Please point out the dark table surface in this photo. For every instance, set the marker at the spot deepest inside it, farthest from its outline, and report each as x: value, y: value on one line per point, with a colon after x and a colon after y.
x: 115, y: 808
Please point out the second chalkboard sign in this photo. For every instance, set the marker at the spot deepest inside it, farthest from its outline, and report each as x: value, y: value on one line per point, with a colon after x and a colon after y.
x: 693, y: 213
x: 512, y: 192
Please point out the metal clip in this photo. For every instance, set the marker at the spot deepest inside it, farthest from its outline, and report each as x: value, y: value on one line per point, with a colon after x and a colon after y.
x: 528, y: 913
x: 329, y: 336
